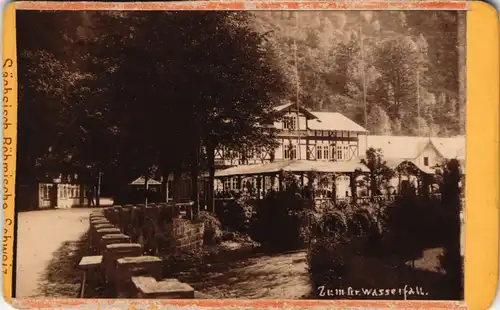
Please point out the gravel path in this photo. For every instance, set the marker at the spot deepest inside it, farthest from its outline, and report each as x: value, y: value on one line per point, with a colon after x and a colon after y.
x: 279, y: 276
x: 42, y: 235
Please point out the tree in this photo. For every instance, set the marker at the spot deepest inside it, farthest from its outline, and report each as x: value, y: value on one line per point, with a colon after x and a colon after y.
x: 452, y: 260
x: 380, y: 173
x: 60, y: 97
x: 379, y: 122
x: 231, y: 108
x: 396, y: 60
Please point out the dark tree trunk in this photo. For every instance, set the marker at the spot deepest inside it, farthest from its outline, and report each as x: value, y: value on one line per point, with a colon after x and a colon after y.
x: 211, y: 178
x: 352, y: 185
x: 334, y: 189
x: 373, y: 185
x: 426, y: 182
x: 310, y: 185
x: 453, y: 262
x: 194, y: 181
x: 146, y: 188
x: 164, y: 182
x: 82, y: 195
x: 98, y: 189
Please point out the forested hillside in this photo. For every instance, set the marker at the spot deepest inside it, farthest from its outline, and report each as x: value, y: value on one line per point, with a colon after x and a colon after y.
x: 394, y: 43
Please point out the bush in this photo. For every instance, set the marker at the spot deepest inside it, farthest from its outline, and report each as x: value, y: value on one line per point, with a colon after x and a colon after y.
x: 326, y: 259
x: 212, y: 231
x: 340, y: 233
x: 236, y: 214
x: 282, y: 221
x: 415, y: 223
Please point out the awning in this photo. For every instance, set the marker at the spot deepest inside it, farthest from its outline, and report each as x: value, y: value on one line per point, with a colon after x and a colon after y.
x: 294, y: 166
x: 140, y: 181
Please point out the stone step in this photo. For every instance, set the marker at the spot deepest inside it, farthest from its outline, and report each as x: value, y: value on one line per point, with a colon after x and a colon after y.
x: 112, y: 239
x: 116, y: 251
x: 107, y: 231
x: 102, y: 226
x: 96, y: 236
x: 99, y: 221
x: 149, y: 288
x: 128, y: 267
x: 131, y: 266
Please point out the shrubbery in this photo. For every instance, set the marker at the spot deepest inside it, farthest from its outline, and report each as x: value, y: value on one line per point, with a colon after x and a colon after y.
x: 415, y: 223
x: 282, y: 220
x: 236, y: 214
x: 339, y: 234
x: 382, y: 237
x: 212, y: 227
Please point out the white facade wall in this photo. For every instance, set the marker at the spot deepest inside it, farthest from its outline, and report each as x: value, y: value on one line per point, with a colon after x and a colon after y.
x: 429, y: 157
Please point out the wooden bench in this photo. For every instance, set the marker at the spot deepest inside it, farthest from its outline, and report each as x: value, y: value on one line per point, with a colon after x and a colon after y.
x: 90, y: 267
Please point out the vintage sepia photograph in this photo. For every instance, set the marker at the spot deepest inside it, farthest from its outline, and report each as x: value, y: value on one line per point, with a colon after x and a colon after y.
x: 273, y: 154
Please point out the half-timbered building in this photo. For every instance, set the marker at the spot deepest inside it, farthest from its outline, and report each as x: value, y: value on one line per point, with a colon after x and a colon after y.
x: 303, y: 136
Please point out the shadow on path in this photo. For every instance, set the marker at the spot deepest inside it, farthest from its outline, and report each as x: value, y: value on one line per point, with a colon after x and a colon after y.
x: 259, y: 276
x: 62, y: 278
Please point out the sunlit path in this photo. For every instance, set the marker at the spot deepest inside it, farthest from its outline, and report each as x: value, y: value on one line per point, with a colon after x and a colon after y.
x: 40, y: 235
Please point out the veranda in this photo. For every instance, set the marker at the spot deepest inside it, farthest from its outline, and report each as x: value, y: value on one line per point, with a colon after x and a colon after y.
x: 324, y: 180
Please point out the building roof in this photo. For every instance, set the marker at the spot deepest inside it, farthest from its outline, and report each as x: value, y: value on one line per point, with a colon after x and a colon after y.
x: 450, y: 147
x: 398, y: 147
x: 140, y: 181
x: 293, y: 166
x: 407, y: 147
x: 393, y: 163
x: 305, y: 111
x: 334, y: 121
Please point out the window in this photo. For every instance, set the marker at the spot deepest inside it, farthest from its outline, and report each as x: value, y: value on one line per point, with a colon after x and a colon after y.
x: 325, y: 152
x: 340, y: 153
x: 290, y: 151
x: 319, y: 152
x: 234, y: 183
x: 289, y: 122
x: 426, y: 161
x: 231, y: 184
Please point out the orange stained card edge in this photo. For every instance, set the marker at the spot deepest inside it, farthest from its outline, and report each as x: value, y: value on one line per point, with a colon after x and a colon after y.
x: 481, y: 224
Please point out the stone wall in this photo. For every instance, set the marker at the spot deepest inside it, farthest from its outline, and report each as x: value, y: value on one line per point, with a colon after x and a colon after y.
x: 186, y: 235
x: 127, y: 271
x: 158, y: 228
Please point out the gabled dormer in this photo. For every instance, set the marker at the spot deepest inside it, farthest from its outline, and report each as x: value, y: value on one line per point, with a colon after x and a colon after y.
x: 289, y: 113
